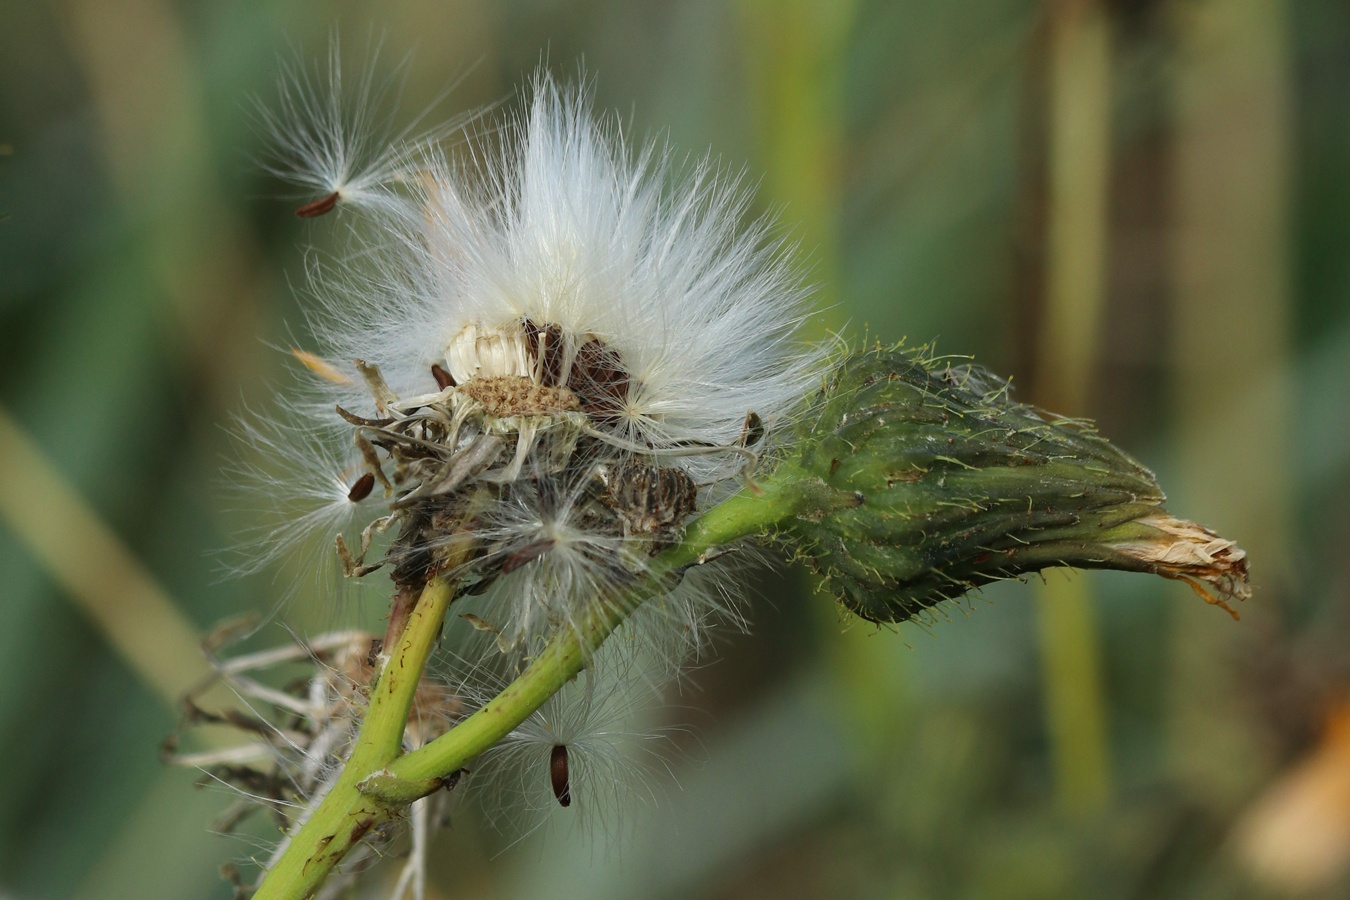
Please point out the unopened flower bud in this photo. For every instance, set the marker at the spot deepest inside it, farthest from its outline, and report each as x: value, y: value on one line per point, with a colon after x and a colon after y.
x: 956, y: 485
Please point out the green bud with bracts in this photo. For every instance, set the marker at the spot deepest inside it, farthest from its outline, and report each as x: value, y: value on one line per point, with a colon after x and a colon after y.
x: 929, y: 480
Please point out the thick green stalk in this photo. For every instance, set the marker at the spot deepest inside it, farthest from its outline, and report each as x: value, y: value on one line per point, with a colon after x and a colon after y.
x: 377, y: 783
x: 345, y: 815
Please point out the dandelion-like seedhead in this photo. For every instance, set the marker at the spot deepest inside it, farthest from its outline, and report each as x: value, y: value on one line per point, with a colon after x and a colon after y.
x: 541, y: 356
x: 540, y: 353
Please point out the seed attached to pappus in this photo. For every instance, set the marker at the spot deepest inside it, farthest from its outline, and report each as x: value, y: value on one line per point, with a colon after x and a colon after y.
x: 361, y: 490
x: 318, y: 207
x: 443, y: 377
x: 530, y: 551
x: 752, y: 432
x: 557, y: 773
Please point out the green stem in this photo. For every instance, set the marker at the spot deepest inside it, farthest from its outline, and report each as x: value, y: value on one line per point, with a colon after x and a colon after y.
x: 345, y: 815
x: 376, y: 782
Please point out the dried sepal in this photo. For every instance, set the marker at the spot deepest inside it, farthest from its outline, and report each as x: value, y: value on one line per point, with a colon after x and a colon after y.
x: 290, y: 741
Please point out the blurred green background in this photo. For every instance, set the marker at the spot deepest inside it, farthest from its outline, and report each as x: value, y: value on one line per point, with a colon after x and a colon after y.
x: 1139, y: 209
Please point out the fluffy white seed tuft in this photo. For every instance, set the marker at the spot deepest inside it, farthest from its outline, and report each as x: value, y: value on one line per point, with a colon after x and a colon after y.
x: 546, y: 349
x: 333, y: 135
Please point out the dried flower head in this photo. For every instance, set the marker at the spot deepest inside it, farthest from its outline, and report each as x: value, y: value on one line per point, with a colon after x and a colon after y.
x: 287, y: 743
x: 531, y: 373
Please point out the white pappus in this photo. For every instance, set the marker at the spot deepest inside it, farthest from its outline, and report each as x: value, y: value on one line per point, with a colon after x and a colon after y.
x: 541, y: 356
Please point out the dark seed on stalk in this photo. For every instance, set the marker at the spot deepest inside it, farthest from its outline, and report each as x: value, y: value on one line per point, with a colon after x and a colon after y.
x: 361, y: 490
x: 443, y: 378
x: 318, y: 207
x: 530, y: 551
x: 557, y: 773
x: 600, y: 381
x: 753, y: 430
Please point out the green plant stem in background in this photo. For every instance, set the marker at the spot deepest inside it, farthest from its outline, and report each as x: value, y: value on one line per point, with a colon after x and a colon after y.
x: 1241, y: 421
x: 96, y: 570
x: 1078, y: 143
x: 795, y: 62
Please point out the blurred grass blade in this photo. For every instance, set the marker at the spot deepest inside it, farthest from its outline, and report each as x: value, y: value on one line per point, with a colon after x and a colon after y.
x: 95, y: 569
x: 796, y: 54
x: 1235, y: 105
x: 1077, y: 224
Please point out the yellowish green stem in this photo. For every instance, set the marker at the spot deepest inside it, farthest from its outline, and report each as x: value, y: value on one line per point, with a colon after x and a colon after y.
x: 1075, y: 709
x: 346, y: 815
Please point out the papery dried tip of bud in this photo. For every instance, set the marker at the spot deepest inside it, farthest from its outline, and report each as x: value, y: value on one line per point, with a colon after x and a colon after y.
x: 1215, y: 568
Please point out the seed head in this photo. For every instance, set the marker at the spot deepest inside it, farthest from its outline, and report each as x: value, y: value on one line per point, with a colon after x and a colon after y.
x: 540, y: 357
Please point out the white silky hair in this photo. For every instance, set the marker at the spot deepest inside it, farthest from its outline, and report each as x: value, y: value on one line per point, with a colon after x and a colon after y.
x: 332, y: 131
x: 296, y: 479
x: 445, y: 253
x: 572, y: 572
x: 554, y: 218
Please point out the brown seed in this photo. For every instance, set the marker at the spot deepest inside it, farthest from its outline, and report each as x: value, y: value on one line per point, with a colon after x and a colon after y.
x: 753, y: 430
x: 525, y: 554
x: 443, y: 378
x: 318, y: 207
x: 546, y: 342
x: 600, y: 380
x: 361, y: 490
x: 557, y: 773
